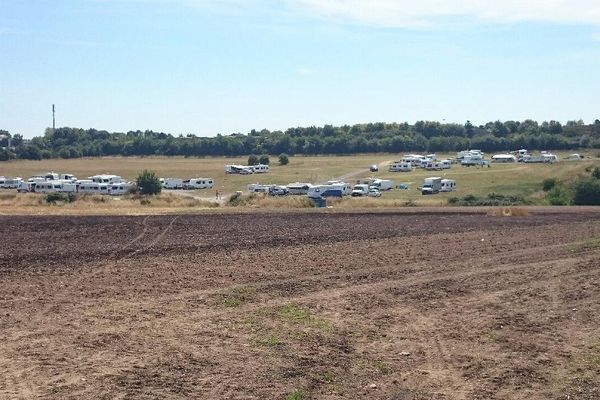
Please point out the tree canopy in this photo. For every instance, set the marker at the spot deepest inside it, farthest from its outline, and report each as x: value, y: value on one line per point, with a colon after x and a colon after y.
x: 428, y: 136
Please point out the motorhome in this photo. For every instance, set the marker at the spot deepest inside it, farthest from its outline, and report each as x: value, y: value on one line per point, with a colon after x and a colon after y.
x: 401, y: 166
x: 260, y: 169
x: 473, y: 159
x: 299, y: 188
x: 343, y: 186
x: 431, y: 185
x: 172, y: 183
x: 198, y: 183
x: 448, y: 185
x: 446, y: 164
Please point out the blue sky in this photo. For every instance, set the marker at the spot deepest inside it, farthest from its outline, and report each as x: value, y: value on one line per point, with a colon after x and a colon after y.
x: 208, y: 67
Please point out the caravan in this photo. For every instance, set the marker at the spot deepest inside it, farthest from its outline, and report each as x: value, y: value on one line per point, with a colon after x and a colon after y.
x: 260, y: 169
x: 401, y: 166
x: 198, y: 183
x: 448, y: 185
x: 89, y: 187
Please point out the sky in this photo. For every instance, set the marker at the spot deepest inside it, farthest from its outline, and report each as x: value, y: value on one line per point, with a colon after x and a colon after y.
x: 224, y: 66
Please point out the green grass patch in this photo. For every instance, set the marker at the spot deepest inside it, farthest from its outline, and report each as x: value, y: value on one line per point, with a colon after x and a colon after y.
x: 297, y: 394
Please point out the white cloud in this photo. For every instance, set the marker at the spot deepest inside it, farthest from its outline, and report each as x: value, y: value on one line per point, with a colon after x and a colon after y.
x: 424, y: 13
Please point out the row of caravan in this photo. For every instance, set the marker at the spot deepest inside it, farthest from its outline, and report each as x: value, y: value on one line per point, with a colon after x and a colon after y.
x: 83, y: 187
x: 247, y: 169
x: 406, y: 166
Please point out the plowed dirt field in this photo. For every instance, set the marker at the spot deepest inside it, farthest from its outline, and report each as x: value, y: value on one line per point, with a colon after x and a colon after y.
x: 301, y: 306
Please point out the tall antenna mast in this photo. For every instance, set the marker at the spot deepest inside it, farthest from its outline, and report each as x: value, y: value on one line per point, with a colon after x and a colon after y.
x: 53, y: 119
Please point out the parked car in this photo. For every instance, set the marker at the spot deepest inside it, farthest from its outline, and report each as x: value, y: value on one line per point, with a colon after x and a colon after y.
x: 374, y: 193
x: 374, y: 168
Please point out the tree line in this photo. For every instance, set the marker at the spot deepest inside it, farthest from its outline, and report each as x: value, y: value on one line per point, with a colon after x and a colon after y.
x: 429, y: 136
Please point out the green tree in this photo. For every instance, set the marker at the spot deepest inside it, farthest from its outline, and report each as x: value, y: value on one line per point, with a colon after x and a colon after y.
x: 283, y: 159
x: 264, y: 159
x: 253, y: 159
x: 587, y: 192
x: 148, y: 183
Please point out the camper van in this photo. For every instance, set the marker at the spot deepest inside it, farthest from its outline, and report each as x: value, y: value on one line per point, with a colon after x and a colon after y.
x: 448, y: 185
x: 198, y: 183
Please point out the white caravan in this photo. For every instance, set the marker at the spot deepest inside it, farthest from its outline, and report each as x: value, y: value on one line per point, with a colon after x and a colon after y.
x: 89, y: 187
x: 448, y: 185
x: 504, y: 158
x: 446, y: 164
x: 55, y: 186
x: 106, y: 178
x: 402, y: 166
x: 259, y: 188
x: 238, y: 169
x: 172, y: 183
x: 10, y: 183
x: 260, y: 169
x: 198, y: 183
x: 121, y: 188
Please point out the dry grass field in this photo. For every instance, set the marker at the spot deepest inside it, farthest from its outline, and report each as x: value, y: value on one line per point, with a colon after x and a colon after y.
x: 513, y: 179
x: 405, y: 306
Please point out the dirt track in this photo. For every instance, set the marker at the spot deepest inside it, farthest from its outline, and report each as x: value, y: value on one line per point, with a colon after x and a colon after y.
x: 383, y: 306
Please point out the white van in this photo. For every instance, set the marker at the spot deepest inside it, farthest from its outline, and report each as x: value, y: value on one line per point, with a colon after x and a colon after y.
x: 382, y: 184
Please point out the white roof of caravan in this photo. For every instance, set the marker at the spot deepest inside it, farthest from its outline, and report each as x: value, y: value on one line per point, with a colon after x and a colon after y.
x: 503, y: 156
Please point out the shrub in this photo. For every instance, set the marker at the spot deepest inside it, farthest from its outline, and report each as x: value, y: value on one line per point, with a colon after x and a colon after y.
x: 586, y: 192
x: 559, y: 196
x: 253, y: 159
x: 548, y: 184
x: 264, y: 159
x: 492, y: 199
x: 284, y: 159
x: 53, y: 198
x: 148, y: 183
x: 596, y: 173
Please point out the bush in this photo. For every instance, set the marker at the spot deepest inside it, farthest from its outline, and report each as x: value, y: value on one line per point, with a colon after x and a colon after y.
x: 53, y: 198
x: 253, y: 159
x: 148, y: 183
x: 264, y: 159
x: 586, y: 192
x: 284, y: 159
x: 559, y: 196
x: 548, y: 184
x: 596, y: 173
x: 492, y: 199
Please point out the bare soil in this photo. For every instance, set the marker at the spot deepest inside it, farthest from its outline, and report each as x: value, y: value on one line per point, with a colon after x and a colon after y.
x: 403, y: 306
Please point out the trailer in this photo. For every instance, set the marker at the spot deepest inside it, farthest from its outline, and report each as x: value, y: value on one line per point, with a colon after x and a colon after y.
x: 448, y: 185
x: 90, y: 187
x: 106, y: 179
x: 260, y: 169
x: 58, y: 186
x: 172, y: 183
x: 325, y: 191
x: 10, y: 183
x: 239, y: 169
x: 121, y: 188
x: 198, y: 183
x: 401, y: 166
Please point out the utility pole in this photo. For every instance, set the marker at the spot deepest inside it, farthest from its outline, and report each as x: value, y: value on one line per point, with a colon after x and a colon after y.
x: 53, y: 118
